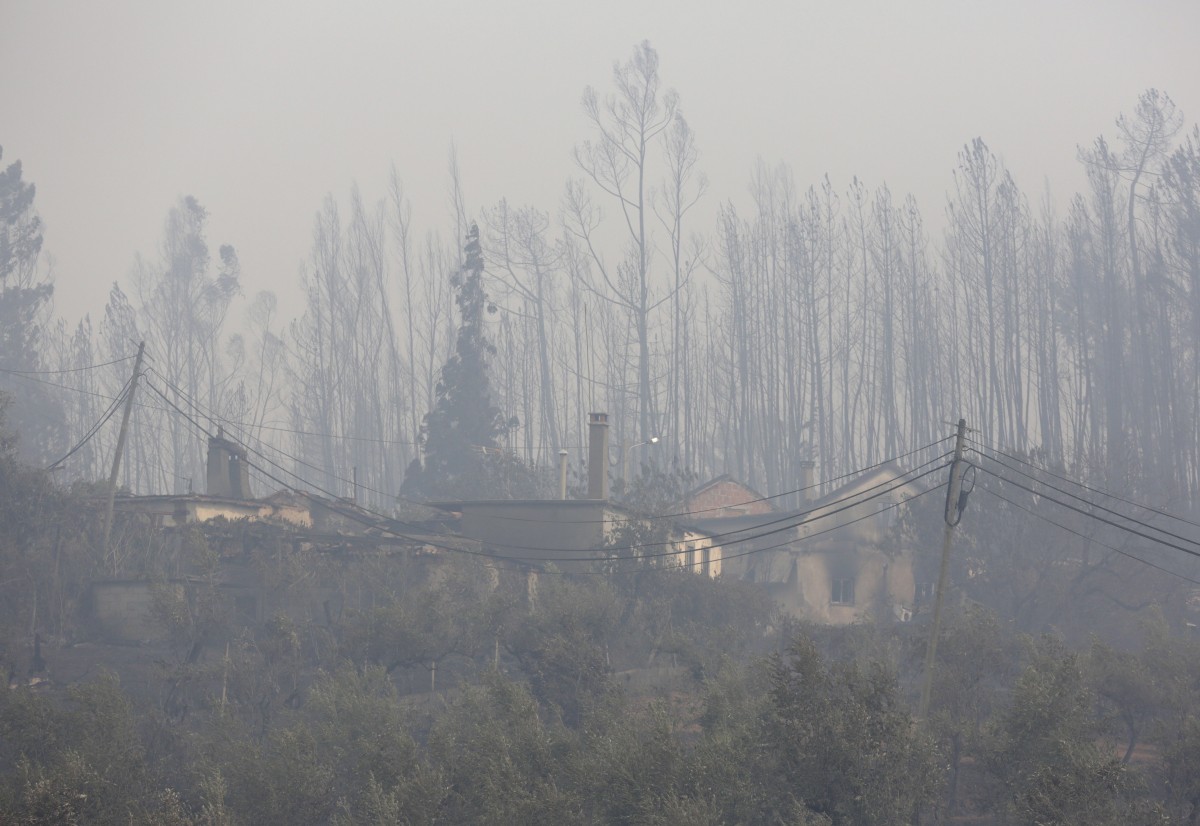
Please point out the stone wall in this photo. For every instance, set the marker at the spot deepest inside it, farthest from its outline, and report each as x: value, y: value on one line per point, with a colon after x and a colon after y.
x: 124, y: 610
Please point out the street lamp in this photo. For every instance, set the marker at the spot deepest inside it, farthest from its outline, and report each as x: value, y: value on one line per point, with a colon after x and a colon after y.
x: 625, y: 448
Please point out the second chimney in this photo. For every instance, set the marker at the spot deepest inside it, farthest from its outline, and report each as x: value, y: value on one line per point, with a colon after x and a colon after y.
x: 597, y: 456
x: 808, y: 480
x: 228, y: 471
x: 218, y: 467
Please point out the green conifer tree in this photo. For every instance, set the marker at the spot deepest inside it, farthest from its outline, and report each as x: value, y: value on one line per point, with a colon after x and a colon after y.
x: 24, y: 301
x: 461, y: 431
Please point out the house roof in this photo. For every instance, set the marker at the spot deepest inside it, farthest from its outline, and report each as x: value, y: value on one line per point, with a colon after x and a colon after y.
x: 457, y: 505
x: 549, y: 505
x: 859, y: 485
x: 875, y: 476
x: 372, y: 529
x: 754, y: 496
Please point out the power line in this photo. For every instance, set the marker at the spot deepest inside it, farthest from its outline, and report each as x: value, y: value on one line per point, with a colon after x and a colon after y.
x: 206, y: 413
x: 1105, y: 520
x: 68, y: 370
x: 1086, y: 487
x: 684, y: 514
x: 364, y: 439
x: 745, y: 535
x: 725, y: 556
x: 95, y: 428
x: 1087, y: 501
x: 362, y: 519
x: 333, y: 504
x: 746, y: 538
x: 672, y: 553
x: 64, y: 387
x: 738, y: 533
x: 847, y: 523
x: 92, y: 393
x: 1087, y: 538
x: 424, y: 540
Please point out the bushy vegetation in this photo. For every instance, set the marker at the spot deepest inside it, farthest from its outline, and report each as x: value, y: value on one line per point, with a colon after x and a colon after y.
x: 458, y: 693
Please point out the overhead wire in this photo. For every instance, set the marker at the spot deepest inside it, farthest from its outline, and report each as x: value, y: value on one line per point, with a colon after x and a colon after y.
x: 65, y: 370
x: 276, y: 428
x: 749, y: 534
x: 115, y: 401
x: 1083, y: 485
x: 1085, y: 537
x: 337, y: 507
x: 815, y: 534
x: 1087, y: 501
x: 608, y: 558
x: 202, y: 411
x: 787, y: 520
x: 334, y: 500
x: 742, y: 535
x: 95, y: 428
x: 92, y: 393
x: 1091, y: 515
x: 752, y: 534
x: 208, y: 414
x: 760, y: 499
x: 363, y: 439
x: 724, y: 556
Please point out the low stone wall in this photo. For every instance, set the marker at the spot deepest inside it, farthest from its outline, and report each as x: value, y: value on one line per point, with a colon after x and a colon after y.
x: 125, y: 610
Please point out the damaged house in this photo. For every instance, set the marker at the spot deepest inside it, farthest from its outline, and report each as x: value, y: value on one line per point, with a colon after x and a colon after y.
x: 256, y: 545
x: 536, y: 533
x: 832, y: 560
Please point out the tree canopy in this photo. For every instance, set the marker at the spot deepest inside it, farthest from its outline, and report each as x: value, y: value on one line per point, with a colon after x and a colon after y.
x: 459, y: 436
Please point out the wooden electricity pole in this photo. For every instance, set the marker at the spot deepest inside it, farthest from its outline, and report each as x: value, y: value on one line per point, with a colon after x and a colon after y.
x: 952, y: 515
x: 116, y: 466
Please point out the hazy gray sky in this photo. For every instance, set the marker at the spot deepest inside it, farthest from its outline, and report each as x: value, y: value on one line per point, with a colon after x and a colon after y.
x: 260, y: 109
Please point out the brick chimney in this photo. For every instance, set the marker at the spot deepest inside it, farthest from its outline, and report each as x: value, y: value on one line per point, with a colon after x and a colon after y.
x: 218, y: 466
x: 808, y: 478
x: 228, y: 472
x: 597, y: 456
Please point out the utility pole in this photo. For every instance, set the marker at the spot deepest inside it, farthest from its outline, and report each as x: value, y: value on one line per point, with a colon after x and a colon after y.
x: 952, y: 516
x: 116, y: 467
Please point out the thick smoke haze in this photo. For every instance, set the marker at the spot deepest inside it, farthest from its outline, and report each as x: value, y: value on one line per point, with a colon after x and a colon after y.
x: 260, y: 110
x: 621, y: 412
